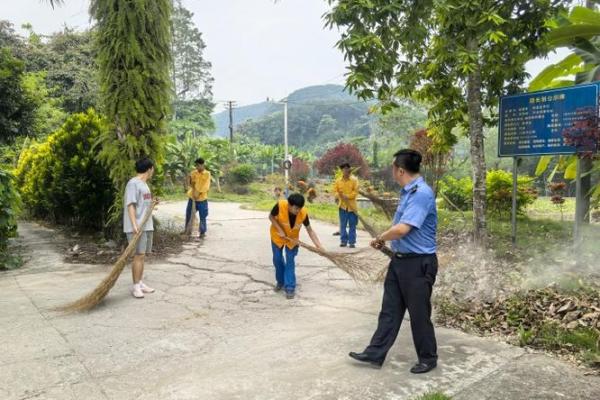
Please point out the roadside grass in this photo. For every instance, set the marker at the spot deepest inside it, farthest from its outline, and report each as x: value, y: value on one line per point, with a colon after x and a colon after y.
x: 543, y: 207
x: 433, y: 396
x: 173, y: 195
x: 551, y: 336
x: 534, y: 236
x: 11, y: 259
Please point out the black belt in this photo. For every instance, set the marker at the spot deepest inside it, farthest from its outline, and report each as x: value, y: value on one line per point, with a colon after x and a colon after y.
x: 412, y: 255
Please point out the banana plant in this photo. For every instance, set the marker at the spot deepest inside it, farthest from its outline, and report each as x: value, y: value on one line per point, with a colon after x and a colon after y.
x: 180, y: 157
x: 580, y: 32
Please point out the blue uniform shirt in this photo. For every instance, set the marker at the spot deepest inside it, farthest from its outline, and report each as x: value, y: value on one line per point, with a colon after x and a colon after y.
x: 417, y: 209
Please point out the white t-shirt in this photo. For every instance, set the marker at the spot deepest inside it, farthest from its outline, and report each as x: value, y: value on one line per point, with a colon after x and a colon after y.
x: 138, y: 193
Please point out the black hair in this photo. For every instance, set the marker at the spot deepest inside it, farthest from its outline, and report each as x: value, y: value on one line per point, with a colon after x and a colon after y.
x: 143, y: 165
x: 199, y: 161
x: 409, y: 160
x: 344, y: 165
x: 296, y: 199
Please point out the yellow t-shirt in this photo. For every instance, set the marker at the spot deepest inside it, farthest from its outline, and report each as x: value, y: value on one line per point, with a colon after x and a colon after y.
x: 348, y: 187
x: 200, y: 183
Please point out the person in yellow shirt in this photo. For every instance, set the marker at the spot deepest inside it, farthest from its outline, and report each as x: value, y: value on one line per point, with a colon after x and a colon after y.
x: 287, y: 217
x: 199, y: 183
x: 346, y: 191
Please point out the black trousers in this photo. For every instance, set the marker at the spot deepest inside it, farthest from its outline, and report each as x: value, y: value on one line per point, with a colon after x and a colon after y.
x: 408, y: 285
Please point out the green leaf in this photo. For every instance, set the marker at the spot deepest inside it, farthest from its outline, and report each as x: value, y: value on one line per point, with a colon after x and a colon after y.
x: 596, y: 193
x: 571, y: 170
x: 567, y: 66
x: 584, y: 15
x: 588, y: 76
x: 560, y: 84
x: 564, y: 35
x: 587, y: 50
x: 543, y: 165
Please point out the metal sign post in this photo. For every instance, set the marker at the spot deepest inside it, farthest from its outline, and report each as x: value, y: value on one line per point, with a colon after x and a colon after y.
x: 514, y: 202
x: 578, y: 207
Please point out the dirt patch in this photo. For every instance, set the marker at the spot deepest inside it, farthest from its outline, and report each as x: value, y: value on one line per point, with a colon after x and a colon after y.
x: 491, y: 294
x: 82, y: 248
x: 566, y: 324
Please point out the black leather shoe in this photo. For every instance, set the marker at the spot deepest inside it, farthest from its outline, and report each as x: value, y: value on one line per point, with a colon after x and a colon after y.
x: 343, y: 245
x: 363, y: 357
x: 422, y: 368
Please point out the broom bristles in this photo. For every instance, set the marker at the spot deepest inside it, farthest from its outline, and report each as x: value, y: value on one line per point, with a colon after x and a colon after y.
x: 358, y: 264
x: 94, y: 298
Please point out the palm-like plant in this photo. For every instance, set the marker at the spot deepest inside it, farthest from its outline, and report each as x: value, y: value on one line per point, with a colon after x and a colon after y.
x: 580, y: 32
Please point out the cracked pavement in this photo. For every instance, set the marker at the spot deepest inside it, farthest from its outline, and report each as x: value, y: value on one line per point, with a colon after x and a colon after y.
x: 215, y: 329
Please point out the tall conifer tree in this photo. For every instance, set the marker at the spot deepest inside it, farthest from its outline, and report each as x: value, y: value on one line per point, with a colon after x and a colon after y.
x: 134, y: 59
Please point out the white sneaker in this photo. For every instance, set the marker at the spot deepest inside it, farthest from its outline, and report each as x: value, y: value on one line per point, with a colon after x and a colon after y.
x: 136, y: 291
x: 146, y: 289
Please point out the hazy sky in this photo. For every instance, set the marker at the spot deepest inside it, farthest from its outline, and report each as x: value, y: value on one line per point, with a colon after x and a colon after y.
x: 258, y: 48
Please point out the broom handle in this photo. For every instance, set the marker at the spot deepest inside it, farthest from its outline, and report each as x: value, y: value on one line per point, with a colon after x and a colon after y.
x: 190, y: 224
x: 384, y: 249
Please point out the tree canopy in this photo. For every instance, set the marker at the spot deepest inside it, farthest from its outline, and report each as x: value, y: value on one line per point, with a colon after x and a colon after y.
x: 458, y: 56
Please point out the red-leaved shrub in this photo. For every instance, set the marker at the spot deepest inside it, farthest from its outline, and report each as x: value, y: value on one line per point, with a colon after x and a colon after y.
x: 340, y: 154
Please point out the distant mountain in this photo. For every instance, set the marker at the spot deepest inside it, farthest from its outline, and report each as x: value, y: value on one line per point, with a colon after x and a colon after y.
x: 321, y: 93
x: 241, y: 114
x: 312, y: 95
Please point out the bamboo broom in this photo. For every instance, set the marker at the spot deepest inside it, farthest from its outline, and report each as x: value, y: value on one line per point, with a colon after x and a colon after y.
x: 387, y: 207
x: 357, y: 264
x: 385, y: 250
x: 94, y: 298
x: 368, y: 227
x: 192, y: 221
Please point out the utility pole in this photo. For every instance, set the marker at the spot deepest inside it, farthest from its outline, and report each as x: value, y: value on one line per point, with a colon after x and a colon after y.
x: 230, y: 105
x: 285, y: 143
x: 285, y: 140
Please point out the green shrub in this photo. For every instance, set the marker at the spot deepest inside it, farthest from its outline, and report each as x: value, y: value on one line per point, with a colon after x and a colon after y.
x: 60, y: 179
x: 9, y: 206
x: 242, y: 174
x: 457, y: 191
x: 498, y: 192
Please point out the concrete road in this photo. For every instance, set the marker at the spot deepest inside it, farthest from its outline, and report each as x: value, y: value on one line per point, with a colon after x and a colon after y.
x: 216, y: 330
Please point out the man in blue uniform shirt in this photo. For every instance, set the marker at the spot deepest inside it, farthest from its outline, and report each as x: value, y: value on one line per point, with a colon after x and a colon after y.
x: 412, y: 271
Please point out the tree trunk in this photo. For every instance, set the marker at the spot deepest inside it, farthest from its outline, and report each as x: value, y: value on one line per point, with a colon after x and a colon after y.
x: 583, y: 210
x: 477, y: 154
x: 218, y: 182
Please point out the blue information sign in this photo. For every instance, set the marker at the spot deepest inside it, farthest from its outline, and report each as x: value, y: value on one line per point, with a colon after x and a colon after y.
x: 533, y: 123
